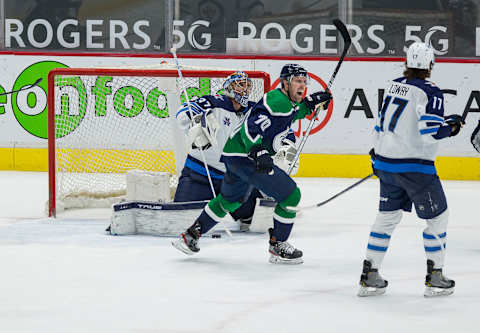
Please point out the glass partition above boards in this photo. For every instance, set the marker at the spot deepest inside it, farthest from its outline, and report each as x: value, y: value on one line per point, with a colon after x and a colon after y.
x: 246, y: 27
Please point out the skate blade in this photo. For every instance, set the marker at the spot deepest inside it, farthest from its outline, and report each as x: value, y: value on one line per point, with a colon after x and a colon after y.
x: 179, y: 244
x: 370, y: 291
x: 435, y: 292
x: 279, y: 260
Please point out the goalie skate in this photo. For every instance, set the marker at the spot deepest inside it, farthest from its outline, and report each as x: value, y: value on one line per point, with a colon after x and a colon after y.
x: 283, y: 252
x: 436, y: 283
x: 371, y: 283
x: 188, y: 241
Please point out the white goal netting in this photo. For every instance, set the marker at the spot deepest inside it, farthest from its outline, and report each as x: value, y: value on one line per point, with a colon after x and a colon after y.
x: 106, y: 121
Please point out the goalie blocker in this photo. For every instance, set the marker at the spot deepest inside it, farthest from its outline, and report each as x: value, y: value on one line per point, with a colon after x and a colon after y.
x: 170, y: 219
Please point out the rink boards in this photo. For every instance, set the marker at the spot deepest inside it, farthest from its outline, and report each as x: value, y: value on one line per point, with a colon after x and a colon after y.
x: 341, y: 137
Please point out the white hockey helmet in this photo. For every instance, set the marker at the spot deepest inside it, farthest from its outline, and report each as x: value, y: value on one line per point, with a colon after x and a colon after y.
x: 420, y: 55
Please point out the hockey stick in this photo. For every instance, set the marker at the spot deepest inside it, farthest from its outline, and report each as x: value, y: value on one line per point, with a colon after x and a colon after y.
x: 347, y: 41
x: 454, y: 93
x: 180, y: 75
x: 298, y: 209
x: 30, y: 86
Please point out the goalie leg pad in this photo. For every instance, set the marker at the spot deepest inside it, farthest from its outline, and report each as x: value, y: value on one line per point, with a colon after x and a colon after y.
x: 153, y: 218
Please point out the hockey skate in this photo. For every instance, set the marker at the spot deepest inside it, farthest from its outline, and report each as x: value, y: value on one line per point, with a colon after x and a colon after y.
x: 283, y: 252
x: 437, y: 284
x: 371, y: 283
x: 188, y: 241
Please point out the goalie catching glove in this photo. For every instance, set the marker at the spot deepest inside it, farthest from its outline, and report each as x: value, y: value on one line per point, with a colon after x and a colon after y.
x: 285, y: 156
x: 321, y: 98
x: 203, y: 131
x: 475, y: 138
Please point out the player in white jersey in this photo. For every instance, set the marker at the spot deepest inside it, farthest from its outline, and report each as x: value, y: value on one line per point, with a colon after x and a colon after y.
x: 409, y: 126
x: 214, y: 117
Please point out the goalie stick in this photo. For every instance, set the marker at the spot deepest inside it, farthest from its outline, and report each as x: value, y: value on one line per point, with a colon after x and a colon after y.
x: 180, y: 75
x: 30, y: 86
x: 347, y: 41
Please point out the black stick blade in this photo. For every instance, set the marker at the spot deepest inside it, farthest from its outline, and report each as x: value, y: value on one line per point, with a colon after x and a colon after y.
x: 449, y: 92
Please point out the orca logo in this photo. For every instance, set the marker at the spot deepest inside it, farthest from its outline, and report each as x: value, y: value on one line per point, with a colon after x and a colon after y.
x: 207, y: 37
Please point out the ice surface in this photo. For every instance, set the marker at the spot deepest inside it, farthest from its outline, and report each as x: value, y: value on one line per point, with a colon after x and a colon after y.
x: 68, y: 275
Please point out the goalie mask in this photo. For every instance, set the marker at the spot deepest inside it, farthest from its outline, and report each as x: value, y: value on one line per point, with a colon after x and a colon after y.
x: 238, y: 86
x: 420, y: 56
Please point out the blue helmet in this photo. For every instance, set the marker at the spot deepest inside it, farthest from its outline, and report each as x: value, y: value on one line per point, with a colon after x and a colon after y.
x: 238, y: 86
x: 291, y: 70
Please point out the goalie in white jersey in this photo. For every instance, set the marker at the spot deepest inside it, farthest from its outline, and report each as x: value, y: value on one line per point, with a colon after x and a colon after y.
x: 409, y: 127
x: 214, y: 118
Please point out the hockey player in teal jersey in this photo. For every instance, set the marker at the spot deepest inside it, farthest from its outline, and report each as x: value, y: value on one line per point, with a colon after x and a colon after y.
x: 247, y: 157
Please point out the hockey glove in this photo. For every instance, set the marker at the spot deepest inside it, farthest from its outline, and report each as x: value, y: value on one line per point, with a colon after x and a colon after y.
x: 203, y: 132
x: 285, y: 156
x: 320, y: 97
x: 261, y: 158
x: 475, y: 139
x: 456, y: 122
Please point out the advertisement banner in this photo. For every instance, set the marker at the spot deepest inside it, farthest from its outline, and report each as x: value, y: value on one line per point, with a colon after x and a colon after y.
x: 345, y: 128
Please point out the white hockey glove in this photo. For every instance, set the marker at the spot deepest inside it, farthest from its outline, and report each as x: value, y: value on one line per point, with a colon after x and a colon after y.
x: 203, y: 131
x: 285, y: 156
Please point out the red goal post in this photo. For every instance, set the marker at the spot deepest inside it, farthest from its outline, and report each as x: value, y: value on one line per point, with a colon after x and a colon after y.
x: 105, y: 121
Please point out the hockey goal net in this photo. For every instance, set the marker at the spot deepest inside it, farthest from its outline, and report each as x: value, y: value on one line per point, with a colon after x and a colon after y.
x: 103, y: 122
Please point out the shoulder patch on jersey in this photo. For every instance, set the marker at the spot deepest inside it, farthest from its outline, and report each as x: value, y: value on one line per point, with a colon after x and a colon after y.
x: 277, y: 103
